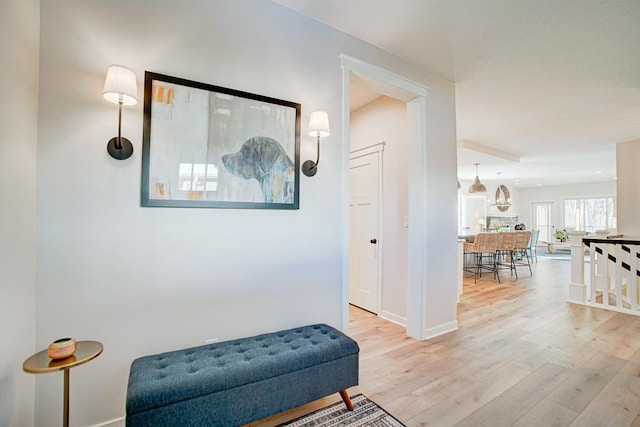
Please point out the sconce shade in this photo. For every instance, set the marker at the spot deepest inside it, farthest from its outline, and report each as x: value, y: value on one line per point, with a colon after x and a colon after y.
x: 120, y: 85
x: 319, y: 124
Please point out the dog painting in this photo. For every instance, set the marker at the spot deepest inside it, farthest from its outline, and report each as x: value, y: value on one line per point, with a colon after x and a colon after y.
x: 263, y: 159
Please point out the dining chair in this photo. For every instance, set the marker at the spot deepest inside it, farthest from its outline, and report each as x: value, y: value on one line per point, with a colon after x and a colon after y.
x: 483, y: 250
x: 532, y: 249
x: 520, y: 250
x: 504, y: 252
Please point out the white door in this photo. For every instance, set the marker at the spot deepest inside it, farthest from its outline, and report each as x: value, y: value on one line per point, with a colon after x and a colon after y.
x: 541, y: 215
x: 364, y: 202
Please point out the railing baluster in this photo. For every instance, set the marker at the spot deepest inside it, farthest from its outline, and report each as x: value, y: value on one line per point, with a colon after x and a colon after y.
x: 605, y: 274
x: 618, y: 278
x: 593, y: 279
x: 632, y: 286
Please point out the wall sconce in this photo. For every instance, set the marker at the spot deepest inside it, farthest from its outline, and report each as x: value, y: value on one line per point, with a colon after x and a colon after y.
x: 318, y: 127
x: 120, y: 88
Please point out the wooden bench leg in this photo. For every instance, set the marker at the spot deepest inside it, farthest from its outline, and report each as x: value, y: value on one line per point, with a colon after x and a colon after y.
x: 346, y: 399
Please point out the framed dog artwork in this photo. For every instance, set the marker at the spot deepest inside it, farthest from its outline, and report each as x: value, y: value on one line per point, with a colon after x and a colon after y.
x: 212, y: 147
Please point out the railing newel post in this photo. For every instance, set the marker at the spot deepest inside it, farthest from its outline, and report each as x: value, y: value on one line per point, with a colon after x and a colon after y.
x: 577, y: 287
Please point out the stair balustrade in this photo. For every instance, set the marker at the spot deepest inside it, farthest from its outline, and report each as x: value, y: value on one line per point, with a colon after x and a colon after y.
x: 613, y: 277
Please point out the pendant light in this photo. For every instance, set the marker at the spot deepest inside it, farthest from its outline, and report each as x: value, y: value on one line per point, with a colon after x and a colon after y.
x: 503, y: 198
x: 477, y: 186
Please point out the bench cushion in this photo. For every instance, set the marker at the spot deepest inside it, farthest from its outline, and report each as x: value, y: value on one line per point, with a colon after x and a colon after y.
x: 163, y: 379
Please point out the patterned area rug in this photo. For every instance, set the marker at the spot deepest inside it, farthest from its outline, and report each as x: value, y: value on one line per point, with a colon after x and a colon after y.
x: 365, y: 413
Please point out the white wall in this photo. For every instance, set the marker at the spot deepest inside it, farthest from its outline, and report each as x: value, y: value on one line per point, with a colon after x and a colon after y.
x: 144, y: 280
x: 19, y: 34
x: 627, y: 155
x: 557, y: 194
x: 385, y: 120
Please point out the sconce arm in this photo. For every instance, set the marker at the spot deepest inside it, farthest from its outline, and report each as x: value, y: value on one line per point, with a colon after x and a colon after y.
x: 119, y: 141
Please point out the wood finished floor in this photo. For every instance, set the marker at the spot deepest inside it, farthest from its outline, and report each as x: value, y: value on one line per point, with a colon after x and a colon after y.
x: 522, y: 356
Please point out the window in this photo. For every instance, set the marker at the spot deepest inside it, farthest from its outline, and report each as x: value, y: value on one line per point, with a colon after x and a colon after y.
x: 471, y: 214
x: 590, y: 214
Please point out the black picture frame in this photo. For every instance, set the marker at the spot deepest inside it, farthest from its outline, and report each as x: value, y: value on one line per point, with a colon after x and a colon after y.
x: 206, y: 146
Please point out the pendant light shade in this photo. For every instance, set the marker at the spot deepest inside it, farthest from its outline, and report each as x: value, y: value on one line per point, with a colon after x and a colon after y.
x: 477, y: 186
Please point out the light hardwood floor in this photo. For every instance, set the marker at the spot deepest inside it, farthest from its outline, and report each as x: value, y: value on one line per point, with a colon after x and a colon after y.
x: 522, y: 356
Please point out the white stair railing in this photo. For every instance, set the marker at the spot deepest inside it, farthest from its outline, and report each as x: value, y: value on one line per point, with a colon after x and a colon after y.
x: 613, y: 278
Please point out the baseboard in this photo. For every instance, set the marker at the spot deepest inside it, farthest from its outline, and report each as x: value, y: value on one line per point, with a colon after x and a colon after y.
x: 441, y: 329
x: 116, y: 422
x: 609, y: 307
x: 394, y: 318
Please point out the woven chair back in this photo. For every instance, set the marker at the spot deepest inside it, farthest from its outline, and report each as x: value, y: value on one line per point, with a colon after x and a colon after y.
x: 486, y: 242
x: 522, y: 239
x: 506, y: 241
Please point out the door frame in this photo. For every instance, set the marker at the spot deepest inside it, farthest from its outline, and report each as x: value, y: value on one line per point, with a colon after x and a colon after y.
x: 552, y: 213
x: 377, y: 148
x: 415, y: 95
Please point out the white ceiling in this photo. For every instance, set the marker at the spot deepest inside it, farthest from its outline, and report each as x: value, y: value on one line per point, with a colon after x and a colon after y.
x: 553, y: 83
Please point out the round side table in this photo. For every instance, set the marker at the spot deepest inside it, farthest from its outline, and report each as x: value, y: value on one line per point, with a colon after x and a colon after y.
x: 41, y: 363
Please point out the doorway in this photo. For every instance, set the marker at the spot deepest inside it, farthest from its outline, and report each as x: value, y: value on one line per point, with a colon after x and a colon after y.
x: 385, y: 163
x: 418, y: 325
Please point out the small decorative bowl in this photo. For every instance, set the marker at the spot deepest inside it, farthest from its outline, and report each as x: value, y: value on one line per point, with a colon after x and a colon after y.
x: 62, y: 348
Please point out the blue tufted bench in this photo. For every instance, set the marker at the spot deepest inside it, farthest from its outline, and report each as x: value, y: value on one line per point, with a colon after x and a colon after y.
x: 235, y: 382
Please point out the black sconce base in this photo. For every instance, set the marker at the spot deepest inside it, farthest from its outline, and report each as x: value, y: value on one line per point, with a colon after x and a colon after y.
x: 120, y: 153
x: 309, y: 168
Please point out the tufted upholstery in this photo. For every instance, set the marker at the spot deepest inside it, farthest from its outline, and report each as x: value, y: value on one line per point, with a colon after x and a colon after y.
x: 178, y: 376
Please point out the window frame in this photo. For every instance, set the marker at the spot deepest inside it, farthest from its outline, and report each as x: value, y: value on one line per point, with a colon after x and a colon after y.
x: 581, y: 223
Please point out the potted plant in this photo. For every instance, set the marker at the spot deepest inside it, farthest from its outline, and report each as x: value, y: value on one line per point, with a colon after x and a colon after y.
x: 561, y: 235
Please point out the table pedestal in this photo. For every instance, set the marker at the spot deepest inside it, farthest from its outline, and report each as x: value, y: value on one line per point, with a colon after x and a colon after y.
x: 41, y: 363
x: 65, y: 403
